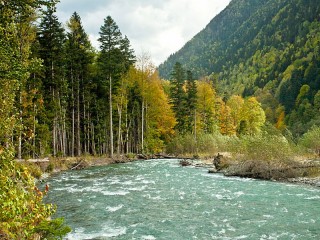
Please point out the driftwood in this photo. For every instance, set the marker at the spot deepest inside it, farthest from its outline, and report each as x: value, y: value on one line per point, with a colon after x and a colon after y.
x: 80, y: 165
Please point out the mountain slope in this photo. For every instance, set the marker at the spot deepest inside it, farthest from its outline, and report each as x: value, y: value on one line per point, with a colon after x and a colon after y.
x: 267, y: 48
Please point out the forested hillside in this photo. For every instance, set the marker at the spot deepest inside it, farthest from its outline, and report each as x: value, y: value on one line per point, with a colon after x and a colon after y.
x: 268, y: 49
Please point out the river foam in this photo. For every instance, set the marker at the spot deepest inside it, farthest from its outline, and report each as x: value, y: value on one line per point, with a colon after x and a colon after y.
x: 159, y: 199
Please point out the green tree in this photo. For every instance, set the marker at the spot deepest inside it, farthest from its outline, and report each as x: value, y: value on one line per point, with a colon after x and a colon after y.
x: 78, y: 58
x: 178, y: 96
x: 52, y: 38
x: 110, y: 64
x: 191, y: 102
x: 21, y: 206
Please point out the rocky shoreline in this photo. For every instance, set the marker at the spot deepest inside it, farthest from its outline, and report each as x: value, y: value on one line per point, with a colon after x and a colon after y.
x: 216, y: 164
x: 259, y: 171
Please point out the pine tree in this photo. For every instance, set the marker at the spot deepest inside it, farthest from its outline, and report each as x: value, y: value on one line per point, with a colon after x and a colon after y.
x: 51, y: 38
x: 115, y: 59
x: 110, y: 39
x: 178, y: 96
x: 191, y: 103
x: 79, y: 56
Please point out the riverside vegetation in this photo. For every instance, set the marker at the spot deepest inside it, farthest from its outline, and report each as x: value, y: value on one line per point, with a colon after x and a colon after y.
x: 61, y: 98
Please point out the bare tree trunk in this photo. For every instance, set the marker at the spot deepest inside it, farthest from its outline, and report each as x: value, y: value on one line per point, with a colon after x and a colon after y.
x: 111, y: 119
x: 78, y: 118
x: 73, y: 118
x: 119, y: 128
x: 142, y: 126
x: 127, y: 132
x: 65, y: 144
x: 85, y: 131
x: 54, y: 127
x: 34, y: 132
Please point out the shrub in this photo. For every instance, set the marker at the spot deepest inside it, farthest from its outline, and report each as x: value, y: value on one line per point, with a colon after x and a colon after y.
x: 21, y: 206
x: 311, y: 140
x: 265, y: 148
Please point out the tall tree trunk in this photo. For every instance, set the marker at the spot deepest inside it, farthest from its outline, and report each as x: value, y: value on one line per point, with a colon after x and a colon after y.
x: 119, y: 128
x: 78, y: 118
x: 142, y: 126
x: 54, y: 126
x: 111, y: 120
x: 127, y: 132
x: 73, y: 117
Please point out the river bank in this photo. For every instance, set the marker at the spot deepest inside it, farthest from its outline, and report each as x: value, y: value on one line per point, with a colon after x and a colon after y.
x: 299, y: 172
x: 302, y: 171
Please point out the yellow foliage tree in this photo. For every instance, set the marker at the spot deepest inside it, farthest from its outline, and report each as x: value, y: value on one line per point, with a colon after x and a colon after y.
x: 206, y: 107
x: 226, y: 121
x: 252, y: 117
x: 235, y: 103
x: 160, y: 120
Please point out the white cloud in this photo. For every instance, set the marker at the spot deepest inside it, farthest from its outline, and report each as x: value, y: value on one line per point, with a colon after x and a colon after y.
x: 157, y: 27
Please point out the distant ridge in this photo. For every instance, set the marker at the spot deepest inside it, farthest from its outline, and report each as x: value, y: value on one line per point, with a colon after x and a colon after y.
x: 267, y: 48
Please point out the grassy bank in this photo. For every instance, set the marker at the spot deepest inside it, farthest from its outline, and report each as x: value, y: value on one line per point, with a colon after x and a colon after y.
x: 270, y: 155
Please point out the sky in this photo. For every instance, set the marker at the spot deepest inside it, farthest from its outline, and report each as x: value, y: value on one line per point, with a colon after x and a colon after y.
x: 154, y: 27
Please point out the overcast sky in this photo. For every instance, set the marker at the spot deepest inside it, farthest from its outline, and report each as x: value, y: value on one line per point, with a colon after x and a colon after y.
x: 158, y: 27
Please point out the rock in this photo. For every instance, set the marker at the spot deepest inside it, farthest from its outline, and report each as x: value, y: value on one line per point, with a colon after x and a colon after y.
x: 212, y: 170
x: 217, y: 161
x: 185, y: 163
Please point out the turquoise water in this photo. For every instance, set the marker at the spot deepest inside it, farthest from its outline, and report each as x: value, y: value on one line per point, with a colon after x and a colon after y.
x: 158, y: 199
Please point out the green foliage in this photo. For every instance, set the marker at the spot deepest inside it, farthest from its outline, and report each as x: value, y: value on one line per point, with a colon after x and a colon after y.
x: 187, y: 144
x: 178, y: 96
x: 271, y: 51
x: 311, y: 140
x: 265, y: 148
x: 21, y: 206
x: 269, y: 146
x: 53, y: 229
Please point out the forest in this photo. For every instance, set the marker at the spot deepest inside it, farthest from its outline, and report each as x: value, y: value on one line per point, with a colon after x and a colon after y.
x: 61, y: 97
x: 267, y: 49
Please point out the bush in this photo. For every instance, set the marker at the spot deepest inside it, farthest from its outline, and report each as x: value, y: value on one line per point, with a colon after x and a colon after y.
x: 311, y: 140
x: 21, y: 206
x: 203, y: 144
x: 50, y: 168
x: 52, y: 230
x: 265, y: 148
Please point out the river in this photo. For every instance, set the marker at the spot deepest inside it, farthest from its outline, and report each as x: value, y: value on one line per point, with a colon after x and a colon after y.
x: 158, y: 199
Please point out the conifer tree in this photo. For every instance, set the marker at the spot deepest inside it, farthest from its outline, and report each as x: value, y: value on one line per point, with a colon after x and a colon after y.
x: 178, y: 96
x: 51, y: 38
x: 78, y: 58
x: 114, y: 60
x: 191, y: 103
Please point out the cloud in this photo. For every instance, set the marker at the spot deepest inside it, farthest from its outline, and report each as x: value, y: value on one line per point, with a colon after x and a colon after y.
x: 157, y: 27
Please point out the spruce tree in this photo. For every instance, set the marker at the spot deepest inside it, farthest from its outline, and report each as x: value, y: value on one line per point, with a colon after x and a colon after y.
x: 178, y: 96
x: 52, y: 38
x: 78, y: 58
x: 191, y: 103
x: 110, y: 39
x: 115, y: 58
